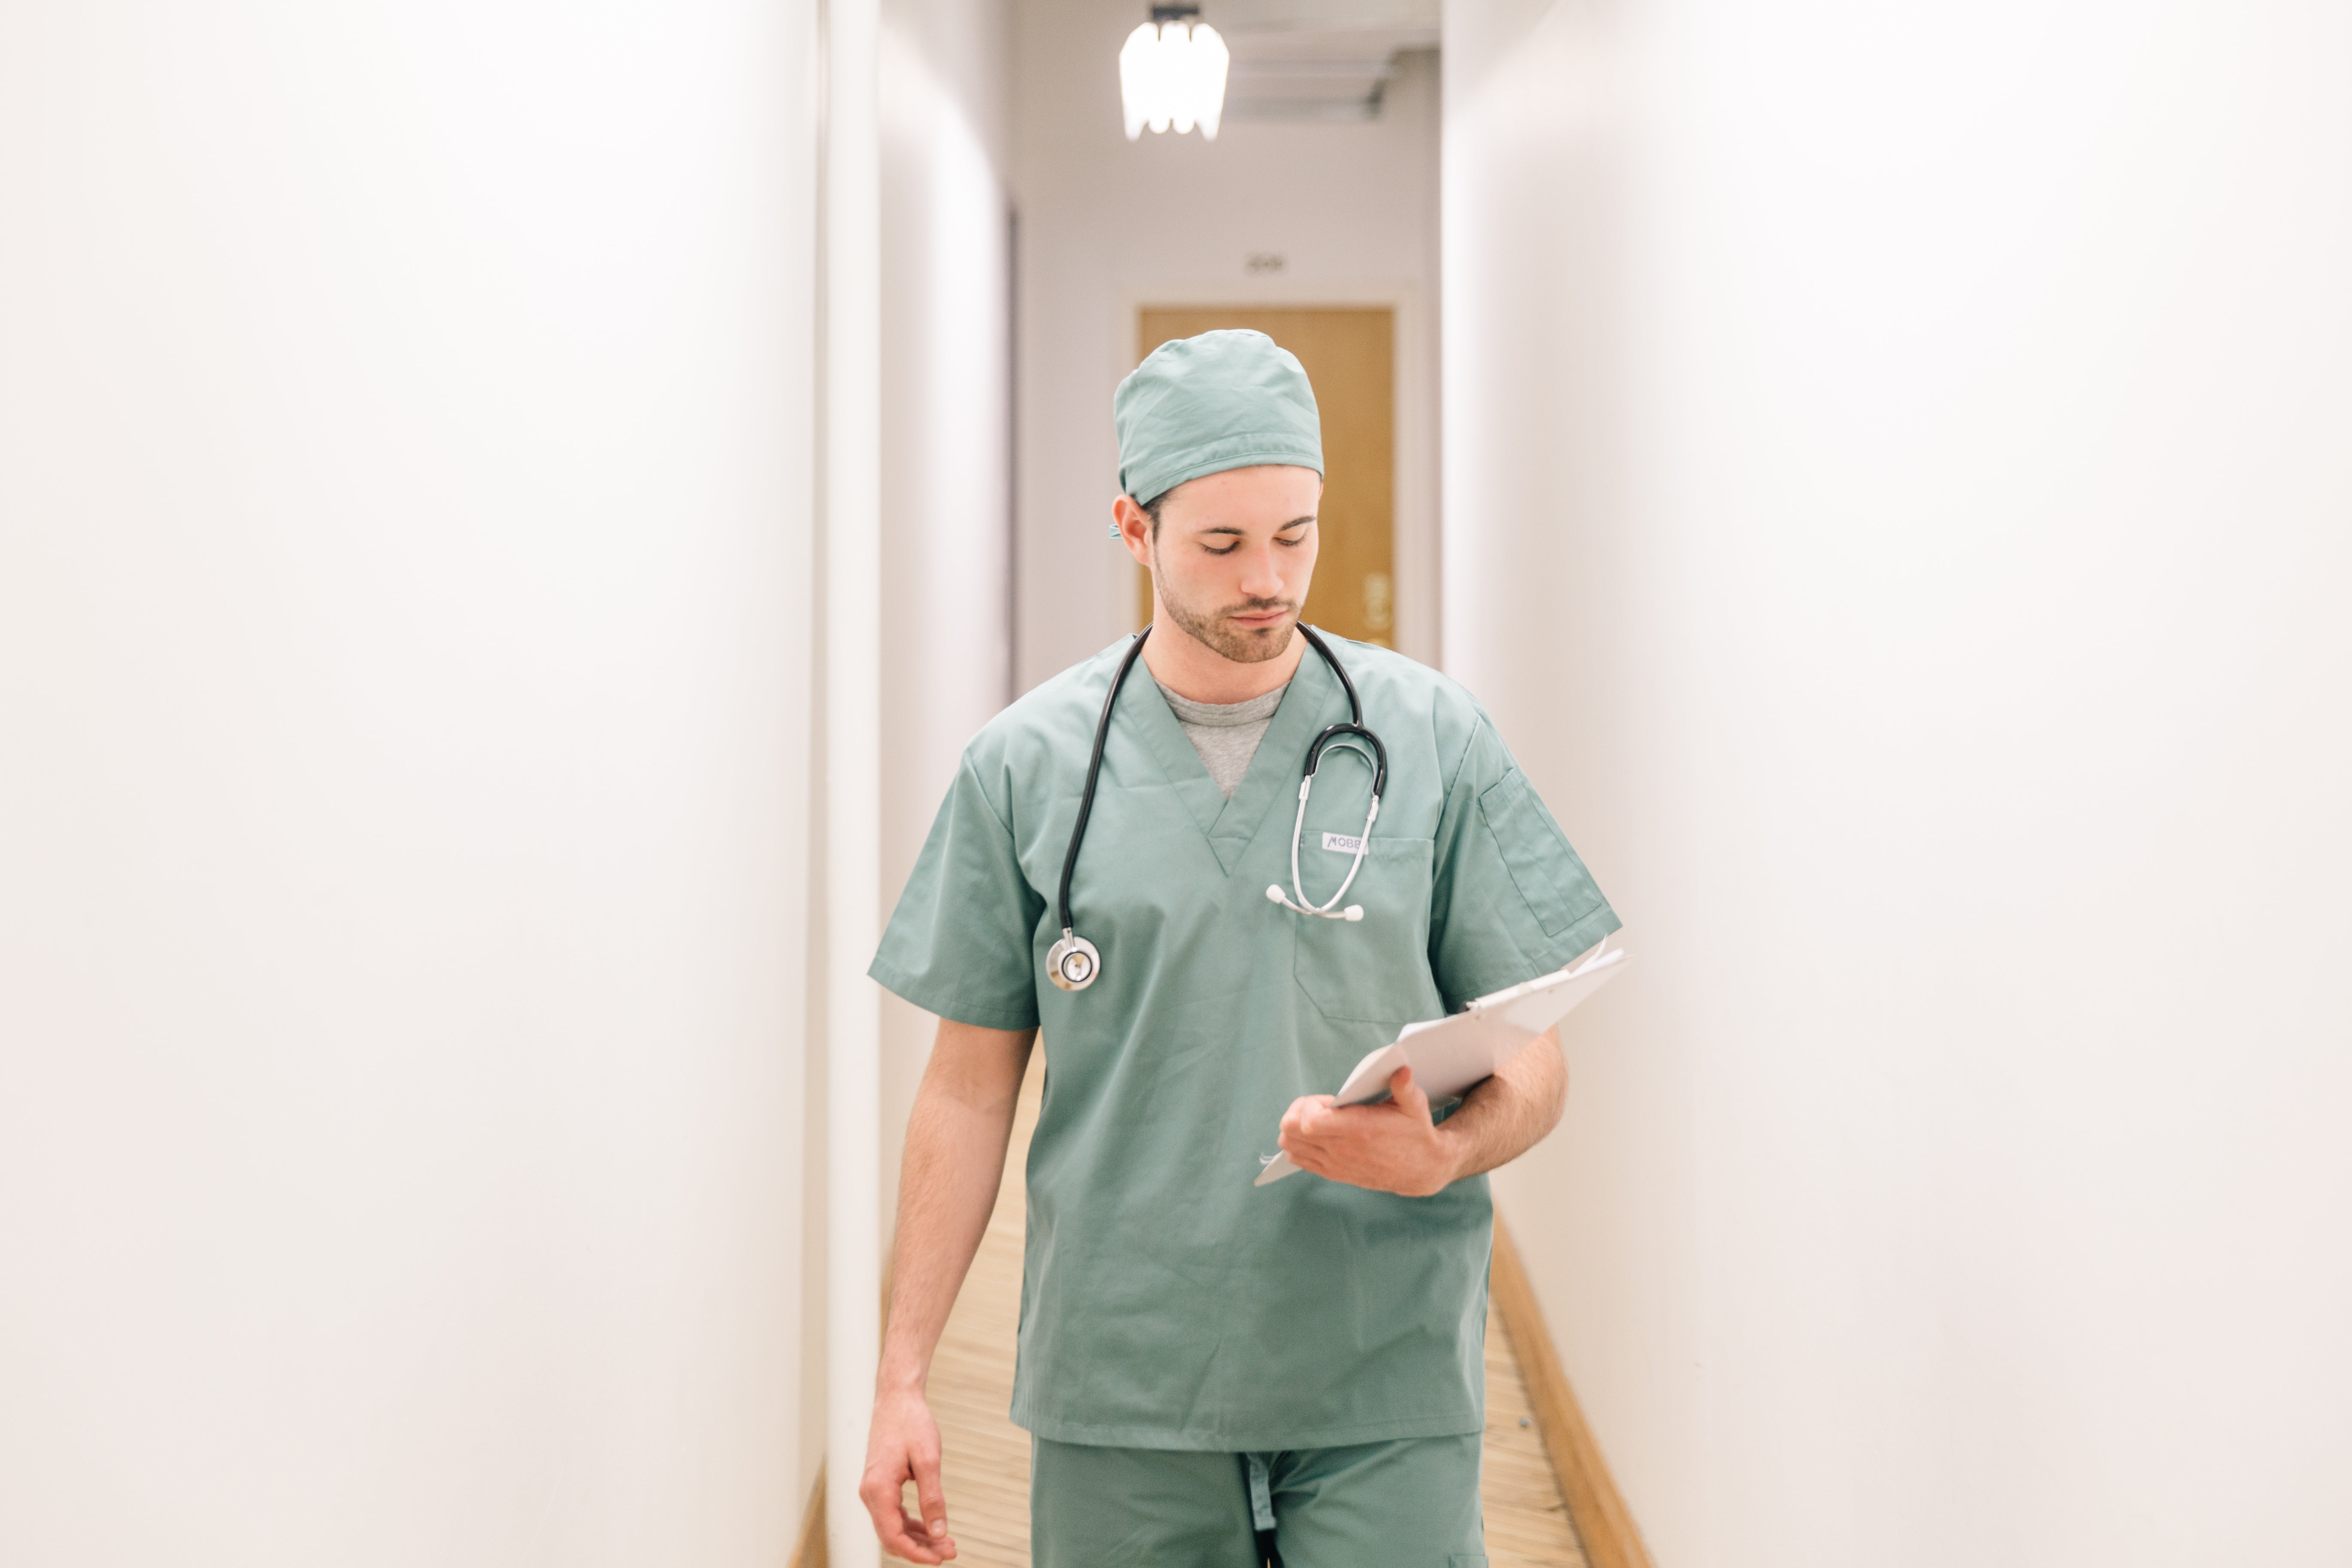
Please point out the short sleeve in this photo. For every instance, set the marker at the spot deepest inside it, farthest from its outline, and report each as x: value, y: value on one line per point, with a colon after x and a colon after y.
x: 959, y: 943
x: 1510, y: 899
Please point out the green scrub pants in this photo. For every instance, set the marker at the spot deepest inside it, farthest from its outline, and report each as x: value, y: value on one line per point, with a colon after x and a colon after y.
x: 1412, y: 1503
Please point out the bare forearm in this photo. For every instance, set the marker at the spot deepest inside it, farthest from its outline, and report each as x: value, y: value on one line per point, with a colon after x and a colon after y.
x: 1511, y: 1112
x: 956, y: 1139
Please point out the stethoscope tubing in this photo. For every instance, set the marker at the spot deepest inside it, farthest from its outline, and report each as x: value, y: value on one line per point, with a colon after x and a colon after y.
x: 1094, y: 772
x: 1073, y: 962
x: 1350, y: 737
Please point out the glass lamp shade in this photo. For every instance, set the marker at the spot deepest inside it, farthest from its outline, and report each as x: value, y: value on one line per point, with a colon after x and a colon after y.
x: 1173, y: 76
x: 1206, y: 61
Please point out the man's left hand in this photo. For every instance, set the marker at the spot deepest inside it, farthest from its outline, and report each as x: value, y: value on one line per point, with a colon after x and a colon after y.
x: 1391, y: 1148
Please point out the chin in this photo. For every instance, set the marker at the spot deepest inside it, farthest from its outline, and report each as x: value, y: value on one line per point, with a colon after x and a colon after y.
x: 1262, y: 642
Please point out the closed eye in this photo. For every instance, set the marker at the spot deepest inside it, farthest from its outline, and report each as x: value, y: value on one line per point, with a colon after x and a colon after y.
x: 1292, y: 542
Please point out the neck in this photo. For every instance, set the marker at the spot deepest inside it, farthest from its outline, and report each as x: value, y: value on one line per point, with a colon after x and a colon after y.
x: 1198, y: 673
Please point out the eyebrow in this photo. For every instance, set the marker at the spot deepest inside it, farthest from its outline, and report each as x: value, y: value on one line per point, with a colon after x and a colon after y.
x: 1286, y: 528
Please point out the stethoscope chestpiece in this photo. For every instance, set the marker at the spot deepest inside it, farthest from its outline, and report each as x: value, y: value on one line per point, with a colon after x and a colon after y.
x: 1072, y: 963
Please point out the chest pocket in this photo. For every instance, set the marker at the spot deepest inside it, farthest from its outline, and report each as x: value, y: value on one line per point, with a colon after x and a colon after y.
x: 1375, y: 970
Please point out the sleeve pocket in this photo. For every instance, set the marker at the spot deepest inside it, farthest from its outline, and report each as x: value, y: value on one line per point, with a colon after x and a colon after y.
x: 1551, y: 879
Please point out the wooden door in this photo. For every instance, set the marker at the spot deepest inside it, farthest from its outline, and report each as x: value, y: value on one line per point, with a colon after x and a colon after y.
x: 1349, y: 355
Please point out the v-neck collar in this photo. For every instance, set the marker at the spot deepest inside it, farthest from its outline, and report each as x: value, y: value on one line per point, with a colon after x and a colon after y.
x: 1230, y: 826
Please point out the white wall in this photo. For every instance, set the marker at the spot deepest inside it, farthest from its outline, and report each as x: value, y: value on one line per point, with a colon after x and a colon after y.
x: 404, y: 517
x: 1108, y: 224
x: 1897, y: 482
x: 947, y: 388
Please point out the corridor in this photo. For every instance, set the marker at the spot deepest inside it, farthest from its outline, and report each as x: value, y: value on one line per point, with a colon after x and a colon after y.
x: 512, y: 514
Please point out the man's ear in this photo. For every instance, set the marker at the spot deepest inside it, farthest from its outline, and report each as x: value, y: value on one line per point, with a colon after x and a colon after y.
x: 1134, y: 525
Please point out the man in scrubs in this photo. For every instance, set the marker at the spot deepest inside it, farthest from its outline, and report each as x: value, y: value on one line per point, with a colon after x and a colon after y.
x: 1214, y: 1372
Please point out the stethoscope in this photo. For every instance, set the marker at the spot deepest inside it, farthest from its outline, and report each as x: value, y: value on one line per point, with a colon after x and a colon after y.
x: 1072, y: 962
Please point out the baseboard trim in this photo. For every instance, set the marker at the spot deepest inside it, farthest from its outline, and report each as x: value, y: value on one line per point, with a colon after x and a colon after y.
x: 1604, y: 1524
x: 809, y: 1550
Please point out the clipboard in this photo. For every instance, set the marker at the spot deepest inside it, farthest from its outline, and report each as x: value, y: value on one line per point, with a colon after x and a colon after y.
x: 1450, y: 1054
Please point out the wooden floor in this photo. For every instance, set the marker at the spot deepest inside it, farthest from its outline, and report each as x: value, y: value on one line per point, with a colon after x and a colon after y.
x: 987, y: 1457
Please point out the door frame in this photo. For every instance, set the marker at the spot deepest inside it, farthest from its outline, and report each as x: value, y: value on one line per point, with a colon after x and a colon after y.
x: 1419, y: 633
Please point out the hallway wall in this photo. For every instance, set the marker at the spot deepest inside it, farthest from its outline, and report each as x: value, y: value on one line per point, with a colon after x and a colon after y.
x: 946, y: 637
x: 1106, y: 224
x: 404, y: 576
x: 1897, y: 479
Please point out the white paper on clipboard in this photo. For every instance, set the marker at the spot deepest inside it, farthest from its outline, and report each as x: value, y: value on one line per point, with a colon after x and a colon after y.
x: 1449, y: 1054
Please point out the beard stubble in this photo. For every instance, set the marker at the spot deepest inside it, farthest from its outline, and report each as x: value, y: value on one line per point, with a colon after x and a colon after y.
x: 1243, y: 644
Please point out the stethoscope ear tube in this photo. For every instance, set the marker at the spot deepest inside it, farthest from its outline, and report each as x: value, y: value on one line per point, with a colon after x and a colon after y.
x: 1347, y: 737
x: 1298, y: 831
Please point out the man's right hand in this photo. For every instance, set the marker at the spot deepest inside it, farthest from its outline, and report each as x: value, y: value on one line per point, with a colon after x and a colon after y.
x: 955, y: 1162
x: 904, y: 1445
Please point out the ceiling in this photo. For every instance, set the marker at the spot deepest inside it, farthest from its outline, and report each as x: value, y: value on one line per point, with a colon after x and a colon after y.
x: 1316, y: 60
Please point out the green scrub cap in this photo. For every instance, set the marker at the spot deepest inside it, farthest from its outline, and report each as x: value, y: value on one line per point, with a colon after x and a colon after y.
x: 1201, y: 405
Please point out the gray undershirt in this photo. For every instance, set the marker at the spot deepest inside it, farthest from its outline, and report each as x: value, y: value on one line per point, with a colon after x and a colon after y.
x: 1225, y: 734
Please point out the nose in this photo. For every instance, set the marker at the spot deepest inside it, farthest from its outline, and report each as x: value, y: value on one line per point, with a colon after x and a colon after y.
x: 1262, y: 573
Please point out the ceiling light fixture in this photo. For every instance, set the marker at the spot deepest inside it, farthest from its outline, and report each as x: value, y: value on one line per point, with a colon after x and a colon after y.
x: 1172, y: 72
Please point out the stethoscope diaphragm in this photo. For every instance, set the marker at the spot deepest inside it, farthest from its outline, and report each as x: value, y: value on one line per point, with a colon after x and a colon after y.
x: 1073, y: 963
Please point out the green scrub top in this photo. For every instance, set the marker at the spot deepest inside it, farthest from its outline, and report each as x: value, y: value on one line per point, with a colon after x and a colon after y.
x: 1166, y: 1302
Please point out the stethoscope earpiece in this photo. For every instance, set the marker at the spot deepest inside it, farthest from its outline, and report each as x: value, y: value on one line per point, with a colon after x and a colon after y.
x: 1275, y: 894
